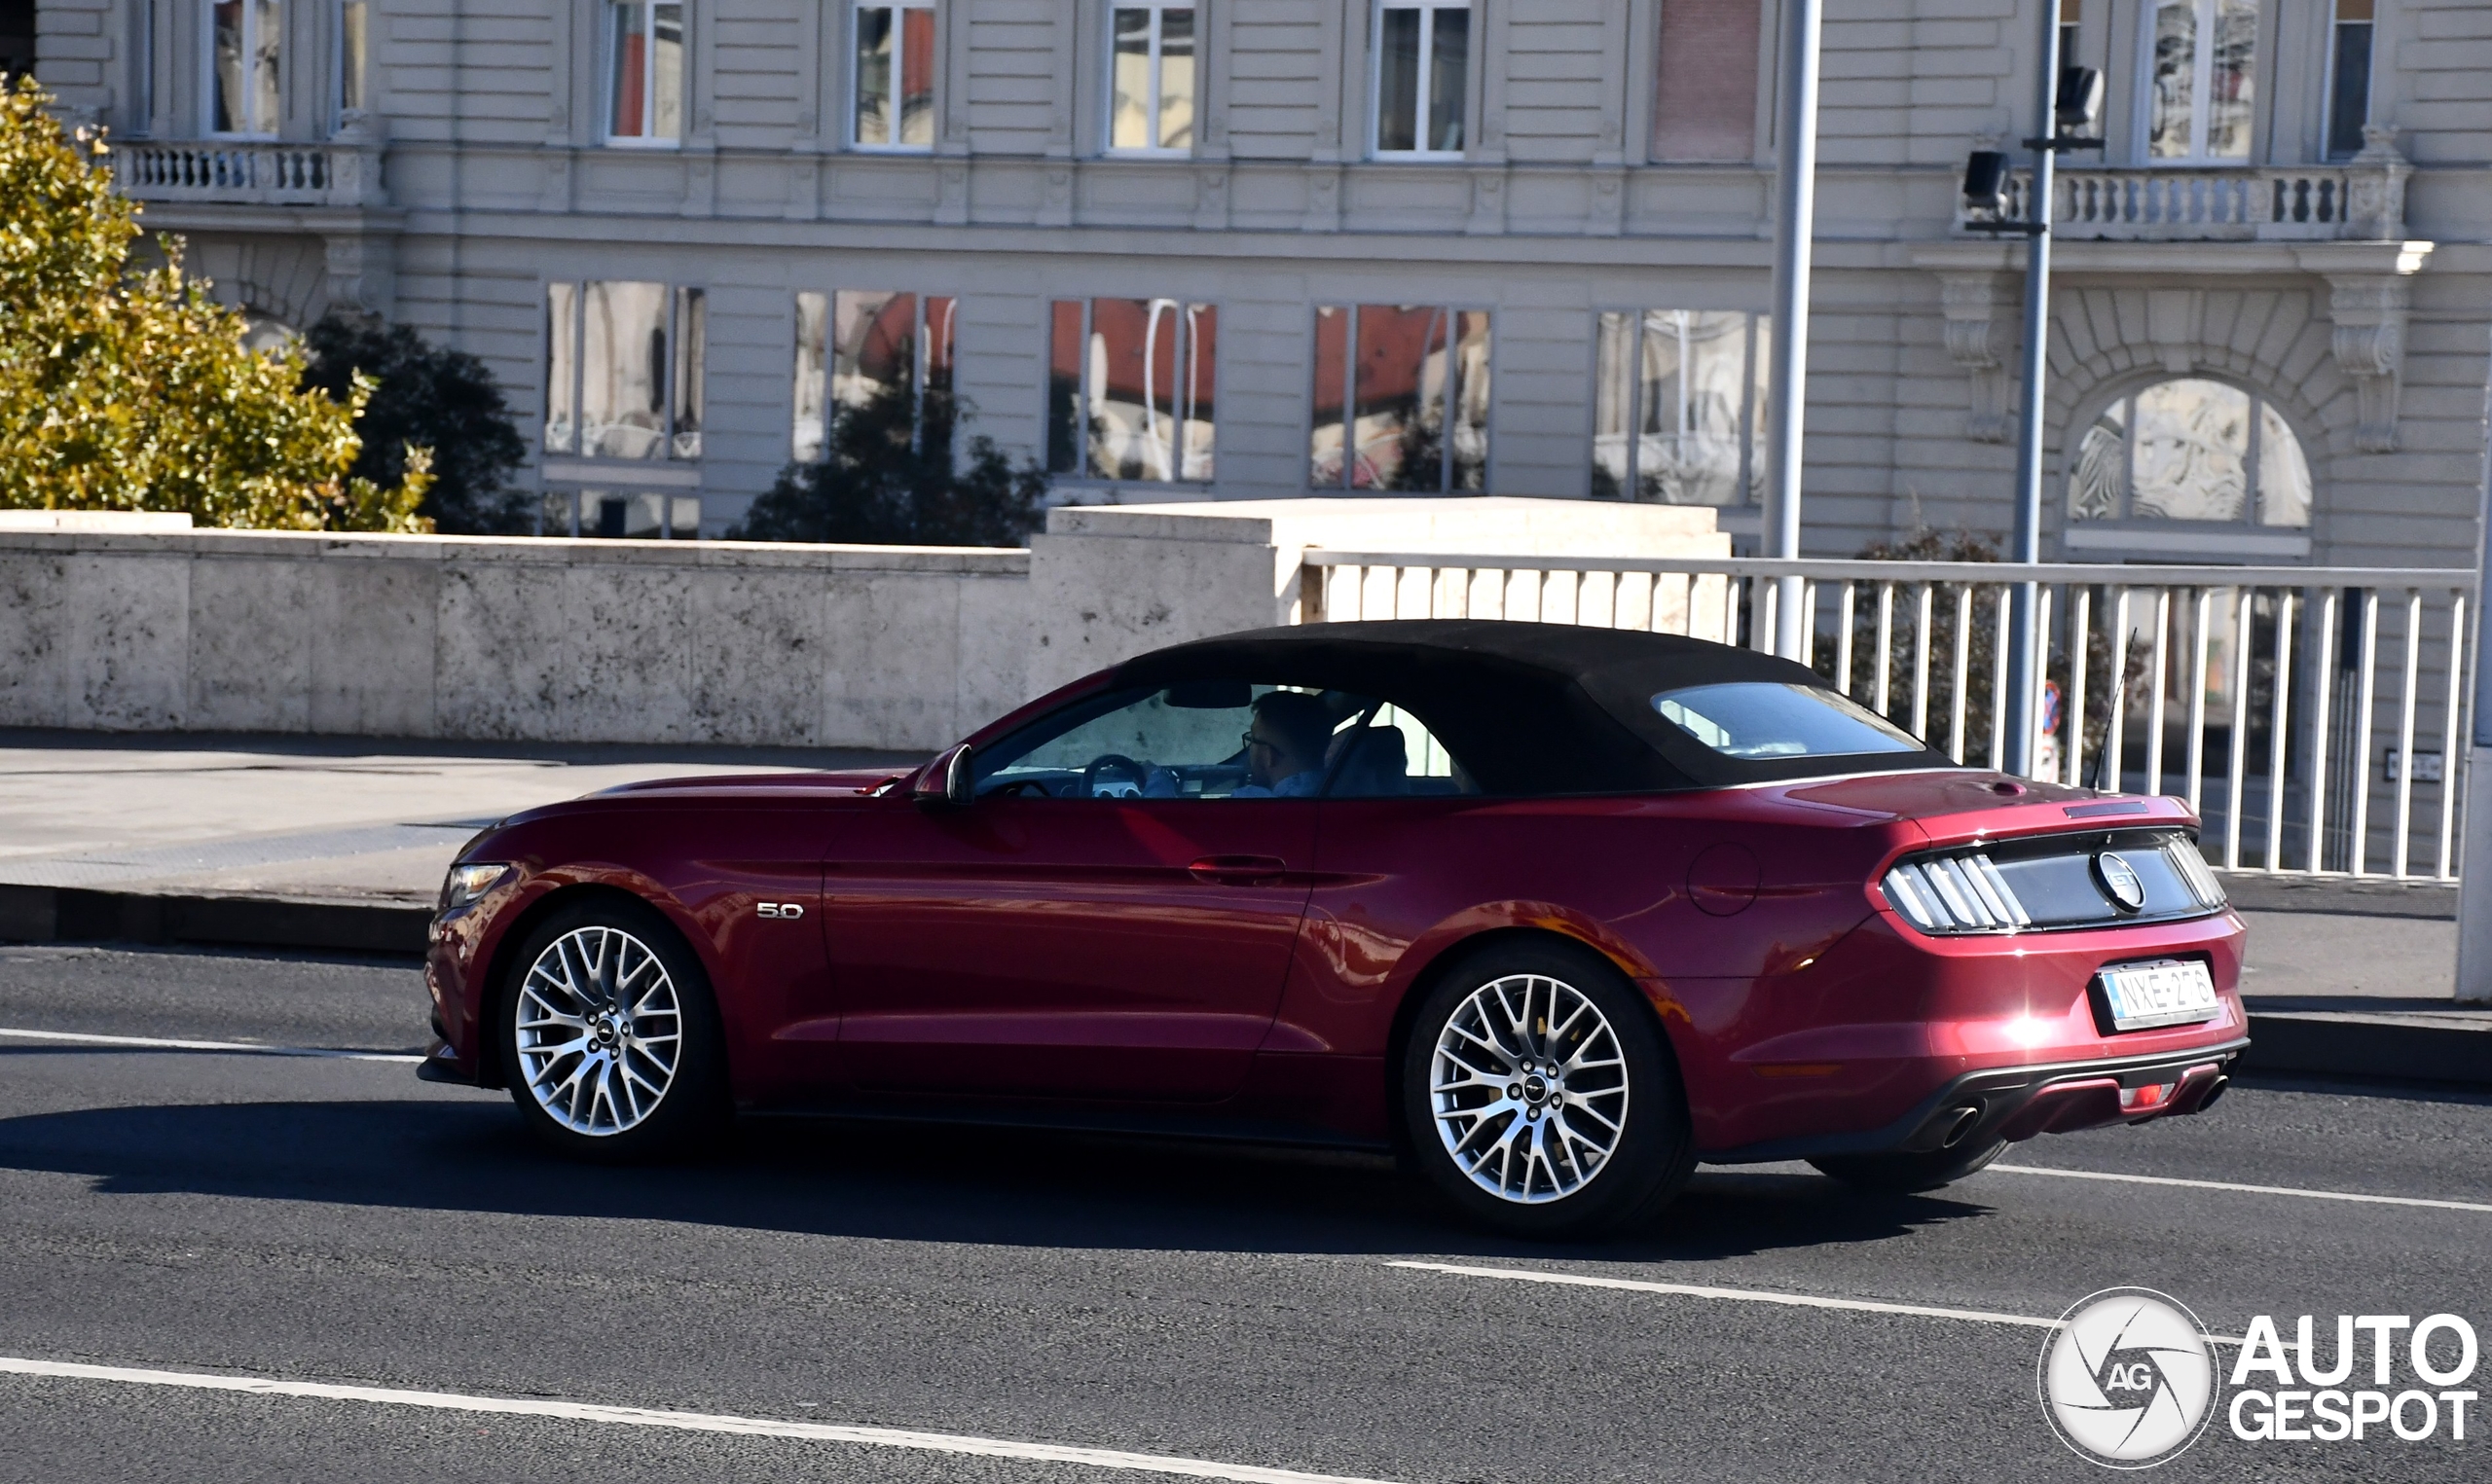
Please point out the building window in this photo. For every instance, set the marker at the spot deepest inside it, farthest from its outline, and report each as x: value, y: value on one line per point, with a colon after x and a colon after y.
x: 2202, y: 64
x: 1152, y: 64
x: 624, y: 370
x: 354, y: 51
x: 2349, y: 79
x: 1401, y: 399
x: 894, y: 80
x: 620, y: 515
x: 644, y: 74
x: 858, y: 356
x: 2072, y: 16
x: 1131, y: 390
x: 1678, y: 407
x: 2191, y: 450
x: 247, y: 40
x: 1422, y: 78
x: 1705, y: 81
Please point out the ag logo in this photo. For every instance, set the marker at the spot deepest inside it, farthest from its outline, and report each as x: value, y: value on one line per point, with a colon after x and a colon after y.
x: 2129, y: 1381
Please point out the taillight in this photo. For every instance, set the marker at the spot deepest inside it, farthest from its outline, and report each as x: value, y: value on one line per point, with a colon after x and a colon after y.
x: 2053, y: 882
x: 1955, y: 893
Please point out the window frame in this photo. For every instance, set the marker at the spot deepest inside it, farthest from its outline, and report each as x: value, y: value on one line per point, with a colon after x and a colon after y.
x: 2202, y: 76
x: 922, y: 372
x: 1425, y: 94
x: 249, y: 10
x: 609, y: 42
x: 1756, y: 352
x: 2337, y: 26
x: 350, y: 68
x: 1158, y: 10
x: 1451, y: 397
x: 1184, y: 360
x: 900, y: 73
x: 685, y: 366
x: 2125, y: 520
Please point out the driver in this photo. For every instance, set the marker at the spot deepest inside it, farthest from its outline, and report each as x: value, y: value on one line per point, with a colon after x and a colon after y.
x: 1285, y: 746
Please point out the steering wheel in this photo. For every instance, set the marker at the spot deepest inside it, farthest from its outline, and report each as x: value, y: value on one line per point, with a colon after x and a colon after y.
x: 1113, y: 775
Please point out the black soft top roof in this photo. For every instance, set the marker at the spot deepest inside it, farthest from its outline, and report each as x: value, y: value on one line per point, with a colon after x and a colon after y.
x: 1530, y: 708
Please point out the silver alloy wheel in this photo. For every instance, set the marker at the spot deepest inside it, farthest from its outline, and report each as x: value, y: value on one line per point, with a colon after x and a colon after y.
x: 600, y: 1030
x: 1529, y: 1089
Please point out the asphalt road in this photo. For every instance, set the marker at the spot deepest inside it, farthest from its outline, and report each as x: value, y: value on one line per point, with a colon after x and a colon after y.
x: 325, y: 1220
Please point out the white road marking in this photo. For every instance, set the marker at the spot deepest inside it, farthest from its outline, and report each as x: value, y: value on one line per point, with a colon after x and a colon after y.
x: 1753, y: 1296
x: 683, y: 1421
x: 2292, y: 1190
x: 160, y: 1043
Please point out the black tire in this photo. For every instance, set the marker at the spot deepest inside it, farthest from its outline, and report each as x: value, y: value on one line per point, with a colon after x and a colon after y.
x: 690, y: 1104
x: 1651, y: 1151
x: 1907, y: 1174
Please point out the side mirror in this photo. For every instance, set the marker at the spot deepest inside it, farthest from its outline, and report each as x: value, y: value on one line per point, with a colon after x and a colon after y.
x: 945, y: 781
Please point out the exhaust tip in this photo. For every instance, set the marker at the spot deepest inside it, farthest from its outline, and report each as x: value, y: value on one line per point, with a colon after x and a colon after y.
x: 2213, y: 1093
x: 1961, y: 1126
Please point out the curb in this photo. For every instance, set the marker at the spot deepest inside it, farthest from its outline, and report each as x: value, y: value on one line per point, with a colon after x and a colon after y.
x: 2369, y: 1047
x: 74, y: 914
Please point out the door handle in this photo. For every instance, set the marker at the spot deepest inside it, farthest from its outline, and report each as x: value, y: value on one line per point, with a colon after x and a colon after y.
x: 1239, y: 870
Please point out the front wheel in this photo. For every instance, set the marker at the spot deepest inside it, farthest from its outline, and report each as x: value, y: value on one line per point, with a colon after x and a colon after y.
x: 1539, y: 1097
x: 610, y: 1038
x: 1907, y: 1174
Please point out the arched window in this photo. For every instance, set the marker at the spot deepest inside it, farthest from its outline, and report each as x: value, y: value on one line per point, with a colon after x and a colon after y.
x: 2190, y: 449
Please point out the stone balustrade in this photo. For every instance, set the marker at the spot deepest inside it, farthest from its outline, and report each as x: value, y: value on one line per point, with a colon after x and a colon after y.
x: 250, y: 174
x: 2362, y: 199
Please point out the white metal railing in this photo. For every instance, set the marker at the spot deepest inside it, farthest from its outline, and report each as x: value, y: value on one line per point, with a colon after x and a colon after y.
x: 245, y: 172
x: 2313, y: 716
x: 2277, y: 203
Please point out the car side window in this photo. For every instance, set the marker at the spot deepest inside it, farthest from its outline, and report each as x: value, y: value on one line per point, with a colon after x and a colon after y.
x: 1395, y: 756
x: 1194, y: 739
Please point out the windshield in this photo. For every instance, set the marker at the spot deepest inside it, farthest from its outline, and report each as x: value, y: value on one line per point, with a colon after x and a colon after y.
x: 1762, y: 719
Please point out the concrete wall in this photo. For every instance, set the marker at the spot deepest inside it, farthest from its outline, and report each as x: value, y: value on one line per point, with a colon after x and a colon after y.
x: 658, y: 642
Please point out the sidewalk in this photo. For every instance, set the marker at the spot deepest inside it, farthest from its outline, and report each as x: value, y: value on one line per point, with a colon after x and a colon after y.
x: 283, y: 842
x: 340, y: 844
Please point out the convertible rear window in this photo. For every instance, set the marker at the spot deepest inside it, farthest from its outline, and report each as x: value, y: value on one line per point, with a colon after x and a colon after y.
x: 1764, y: 720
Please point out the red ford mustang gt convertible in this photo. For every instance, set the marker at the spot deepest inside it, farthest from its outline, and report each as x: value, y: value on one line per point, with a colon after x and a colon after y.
x: 1556, y: 913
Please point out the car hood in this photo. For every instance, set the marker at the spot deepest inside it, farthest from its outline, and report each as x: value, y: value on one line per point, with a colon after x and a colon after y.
x: 711, y: 785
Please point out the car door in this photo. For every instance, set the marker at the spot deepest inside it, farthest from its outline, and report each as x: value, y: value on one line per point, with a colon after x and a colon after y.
x: 1111, y: 916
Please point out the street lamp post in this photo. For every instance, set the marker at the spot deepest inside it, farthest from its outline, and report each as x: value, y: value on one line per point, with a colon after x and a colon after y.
x: 1795, y: 188
x: 2066, y: 99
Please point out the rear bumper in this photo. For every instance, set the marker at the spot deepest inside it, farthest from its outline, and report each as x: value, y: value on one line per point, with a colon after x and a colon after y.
x: 2020, y: 1102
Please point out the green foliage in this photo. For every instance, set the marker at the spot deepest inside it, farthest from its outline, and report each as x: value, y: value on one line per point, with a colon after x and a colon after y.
x: 129, y: 389
x: 1981, y: 664
x: 426, y: 397
x: 888, y: 480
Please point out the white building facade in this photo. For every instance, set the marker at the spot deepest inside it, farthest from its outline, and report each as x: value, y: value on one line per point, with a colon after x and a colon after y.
x: 1225, y: 249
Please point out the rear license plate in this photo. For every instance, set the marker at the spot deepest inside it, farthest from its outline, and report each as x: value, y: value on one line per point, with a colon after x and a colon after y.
x: 2173, y: 992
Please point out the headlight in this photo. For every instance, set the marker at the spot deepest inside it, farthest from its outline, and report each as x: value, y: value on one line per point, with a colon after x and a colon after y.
x: 470, y: 880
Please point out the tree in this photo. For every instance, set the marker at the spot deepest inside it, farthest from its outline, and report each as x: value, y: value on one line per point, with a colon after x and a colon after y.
x: 426, y: 397
x: 123, y: 389
x: 1981, y: 647
x: 887, y: 478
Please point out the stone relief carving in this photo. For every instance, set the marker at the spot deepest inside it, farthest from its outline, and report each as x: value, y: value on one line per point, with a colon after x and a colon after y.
x: 1978, y: 306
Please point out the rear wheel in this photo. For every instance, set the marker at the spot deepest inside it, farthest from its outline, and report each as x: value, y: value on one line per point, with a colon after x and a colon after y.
x: 1539, y: 1095
x: 610, y: 1038
x: 1905, y: 1173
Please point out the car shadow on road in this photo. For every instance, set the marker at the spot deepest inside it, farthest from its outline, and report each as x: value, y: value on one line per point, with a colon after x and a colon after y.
x: 897, y: 1181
